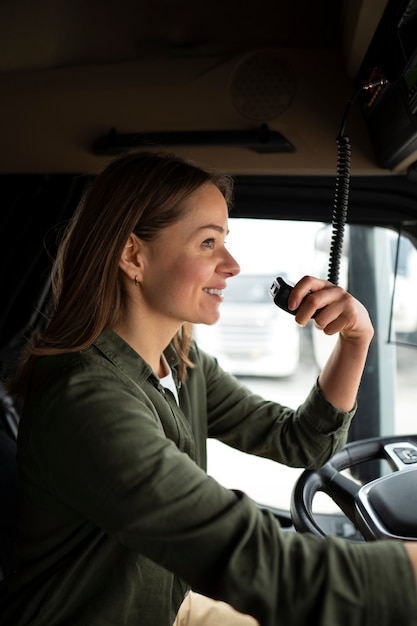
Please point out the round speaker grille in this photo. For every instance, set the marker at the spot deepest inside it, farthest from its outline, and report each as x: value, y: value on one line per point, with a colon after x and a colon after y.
x: 262, y: 86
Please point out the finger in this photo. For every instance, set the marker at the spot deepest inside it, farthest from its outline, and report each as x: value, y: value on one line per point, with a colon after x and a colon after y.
x: 324, y: 305
x: 308, y: 286
x: 342, y: 313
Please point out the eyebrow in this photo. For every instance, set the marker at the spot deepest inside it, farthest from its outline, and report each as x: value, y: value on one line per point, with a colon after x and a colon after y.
x: 217, y: 227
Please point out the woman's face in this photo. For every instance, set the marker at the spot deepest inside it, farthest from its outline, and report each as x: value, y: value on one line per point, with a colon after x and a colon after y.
x: 186, y: 267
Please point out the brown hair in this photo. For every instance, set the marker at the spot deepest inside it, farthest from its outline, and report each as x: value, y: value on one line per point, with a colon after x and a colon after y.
x: 139, y: 192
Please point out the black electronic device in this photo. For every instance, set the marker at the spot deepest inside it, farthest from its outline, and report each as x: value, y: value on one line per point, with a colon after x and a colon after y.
x: 280, y: 291
x: 390, y: 107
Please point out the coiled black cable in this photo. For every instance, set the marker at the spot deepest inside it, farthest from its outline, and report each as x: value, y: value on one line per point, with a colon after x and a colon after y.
x: 342, y: 187
x: 340, y: 207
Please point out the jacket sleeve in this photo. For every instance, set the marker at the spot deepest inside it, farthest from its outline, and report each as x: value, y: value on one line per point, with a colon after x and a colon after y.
x: 305, y: 437
x: 106, y: 456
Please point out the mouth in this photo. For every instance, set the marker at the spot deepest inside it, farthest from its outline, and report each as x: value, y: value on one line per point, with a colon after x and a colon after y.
x: 214, y: 292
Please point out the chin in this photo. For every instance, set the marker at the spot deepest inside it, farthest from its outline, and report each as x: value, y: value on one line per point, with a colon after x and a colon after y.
x: 209, y: 321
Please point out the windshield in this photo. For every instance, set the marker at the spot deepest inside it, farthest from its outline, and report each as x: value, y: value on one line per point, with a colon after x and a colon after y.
x: 271, y: 354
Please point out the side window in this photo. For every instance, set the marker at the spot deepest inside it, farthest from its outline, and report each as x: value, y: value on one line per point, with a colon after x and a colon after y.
x: 404, y: 301
x: 271, y: 354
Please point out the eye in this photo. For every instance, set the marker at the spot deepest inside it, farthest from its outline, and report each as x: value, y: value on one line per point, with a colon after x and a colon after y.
x: 209, y: 243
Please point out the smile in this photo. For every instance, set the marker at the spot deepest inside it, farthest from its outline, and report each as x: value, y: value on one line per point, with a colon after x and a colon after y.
x: 214, y: 292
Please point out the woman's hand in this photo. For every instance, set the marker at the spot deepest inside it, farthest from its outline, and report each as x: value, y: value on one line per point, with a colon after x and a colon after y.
x: 336, y: 311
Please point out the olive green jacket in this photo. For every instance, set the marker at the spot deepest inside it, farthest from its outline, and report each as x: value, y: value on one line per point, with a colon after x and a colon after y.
x: 119, y: 518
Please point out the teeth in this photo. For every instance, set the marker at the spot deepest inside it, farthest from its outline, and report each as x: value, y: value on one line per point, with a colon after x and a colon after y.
x: 217, y: 292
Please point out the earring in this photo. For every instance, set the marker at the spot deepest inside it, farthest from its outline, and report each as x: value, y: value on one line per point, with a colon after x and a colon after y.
x: 136, y: 281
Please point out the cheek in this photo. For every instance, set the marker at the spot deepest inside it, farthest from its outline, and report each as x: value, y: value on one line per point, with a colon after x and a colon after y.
x: 190, y: 272
x: 173, y: 281
x: 197, y: 275
x: 172, y: 277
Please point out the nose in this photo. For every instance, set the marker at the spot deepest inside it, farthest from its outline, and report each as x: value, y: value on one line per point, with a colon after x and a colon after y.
x: 229, y: 265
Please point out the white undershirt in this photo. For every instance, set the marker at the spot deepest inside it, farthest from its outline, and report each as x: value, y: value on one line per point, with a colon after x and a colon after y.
x: 167, y: 381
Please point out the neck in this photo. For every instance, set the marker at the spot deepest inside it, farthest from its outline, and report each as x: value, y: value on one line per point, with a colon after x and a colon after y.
x: 150, y: 344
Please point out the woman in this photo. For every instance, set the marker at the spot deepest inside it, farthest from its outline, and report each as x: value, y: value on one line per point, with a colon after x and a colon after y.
x: 118, y: 516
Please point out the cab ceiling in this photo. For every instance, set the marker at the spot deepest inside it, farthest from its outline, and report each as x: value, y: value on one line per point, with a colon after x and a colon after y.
x: 73, y: 70
x: 67, y: 33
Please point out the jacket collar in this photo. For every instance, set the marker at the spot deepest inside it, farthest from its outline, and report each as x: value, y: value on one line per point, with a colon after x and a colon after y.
x: 127, y: 360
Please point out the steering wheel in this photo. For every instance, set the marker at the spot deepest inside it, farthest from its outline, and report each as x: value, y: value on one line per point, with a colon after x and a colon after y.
x: 382, y: 508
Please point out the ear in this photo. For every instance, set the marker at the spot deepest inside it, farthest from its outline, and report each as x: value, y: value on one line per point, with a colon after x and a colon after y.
x: 130, y: 260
